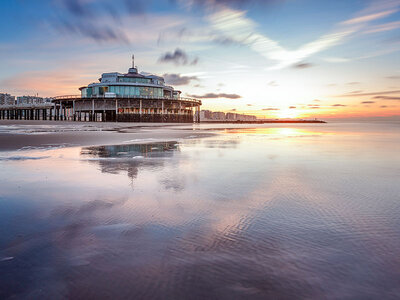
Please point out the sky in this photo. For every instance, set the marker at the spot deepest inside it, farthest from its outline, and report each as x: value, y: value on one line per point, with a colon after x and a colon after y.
x: 271, y: 58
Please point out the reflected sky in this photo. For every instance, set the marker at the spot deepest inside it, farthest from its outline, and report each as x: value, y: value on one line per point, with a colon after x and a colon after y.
x: 287, y: 212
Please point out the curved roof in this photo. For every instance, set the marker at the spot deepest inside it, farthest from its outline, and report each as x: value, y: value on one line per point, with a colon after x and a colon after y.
x: 133, y: 75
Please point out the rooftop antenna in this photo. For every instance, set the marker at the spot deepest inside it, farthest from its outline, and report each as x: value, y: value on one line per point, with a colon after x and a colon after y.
x: 133, y: 61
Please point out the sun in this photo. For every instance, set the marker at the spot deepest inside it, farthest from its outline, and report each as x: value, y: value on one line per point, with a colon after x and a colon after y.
x: 287, y: 114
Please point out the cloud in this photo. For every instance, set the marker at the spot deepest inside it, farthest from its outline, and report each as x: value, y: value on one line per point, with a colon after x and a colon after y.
x: 302, y: 65
x: 367, y: 102
x: 316, y: 100
x: 271, y: 108
x: 178, y: 57
x: 237, y: 27
x: 383, y: 106
x: 393, y: 77
x: 89, y: 19
x: 178, y: 79
x: 353, y: 83
x: 370, y: 17
x: 292, y: 107
x: 233, y: 109
x: 383, y: 27
x: 99, y: 33
x: 273, y: 83
x: 339, y: 105
x: 336, y: 59
x: 249, y: 104
x: 217, y: 4
x: 387, y: 98
x: 226, y: 41
x: 214, y: 96
x: 136, y: 7
x: 76, y: 7
x: 359, y: 93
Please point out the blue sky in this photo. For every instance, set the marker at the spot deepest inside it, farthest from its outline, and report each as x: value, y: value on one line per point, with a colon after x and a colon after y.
x: 270, y: 58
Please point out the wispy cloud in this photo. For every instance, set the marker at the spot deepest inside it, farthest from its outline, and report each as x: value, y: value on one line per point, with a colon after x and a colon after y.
x: 369, y: 17
x: 302, y: 66
x: 339, y: 105
x: 336, y: 59
x: 99, y: 33
x: 359, y: 93
x: 178, y: 57
x: 215, y: 96
x: 270, y: 108
x: 235, y: 25
x: 367, y: 102
x: 387, y: 98
x: 178, y: 79
x: 383, y: 27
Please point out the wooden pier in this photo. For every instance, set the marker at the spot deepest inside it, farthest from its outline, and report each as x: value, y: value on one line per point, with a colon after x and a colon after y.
x: 126, y: 109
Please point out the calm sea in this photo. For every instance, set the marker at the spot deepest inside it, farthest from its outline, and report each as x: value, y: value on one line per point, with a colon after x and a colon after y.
x: 269, y: 212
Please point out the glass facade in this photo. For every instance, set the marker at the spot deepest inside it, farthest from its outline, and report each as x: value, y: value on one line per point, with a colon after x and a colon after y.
x: 136, y: 91
x: 122, y: 91
x: 135, y: 80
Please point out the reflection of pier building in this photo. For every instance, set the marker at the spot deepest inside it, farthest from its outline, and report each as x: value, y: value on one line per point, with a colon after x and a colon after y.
x: 130, y: 97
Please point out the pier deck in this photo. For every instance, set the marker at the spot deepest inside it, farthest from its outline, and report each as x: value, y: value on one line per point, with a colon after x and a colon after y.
x: 96, y: 109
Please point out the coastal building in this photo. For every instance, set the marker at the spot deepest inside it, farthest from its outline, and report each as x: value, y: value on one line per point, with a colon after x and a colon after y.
x: 218, y: 116
x: 32, y: 100
x: 231, y: 116
x: 129, y: 97
x: 206, y: 114
x: 6, y: 99
x: 209, y: 116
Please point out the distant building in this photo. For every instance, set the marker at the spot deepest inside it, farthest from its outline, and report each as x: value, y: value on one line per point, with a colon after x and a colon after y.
x: 218, y: 115
x: 32, y: 100
x: 6, y: 99
x: 207, y: 115
x: 231, y: 116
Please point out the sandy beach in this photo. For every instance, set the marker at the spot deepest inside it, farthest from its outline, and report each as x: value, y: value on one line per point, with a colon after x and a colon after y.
x: 16, y: 135
x: 216, y: 211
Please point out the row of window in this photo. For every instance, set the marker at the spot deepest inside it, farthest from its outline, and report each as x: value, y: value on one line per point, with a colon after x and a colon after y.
x: 123, y: 91
x: 136, y: 80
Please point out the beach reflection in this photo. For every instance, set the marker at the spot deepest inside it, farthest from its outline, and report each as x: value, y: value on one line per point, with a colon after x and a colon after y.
x: 283, y: 213
x: 129, y: 158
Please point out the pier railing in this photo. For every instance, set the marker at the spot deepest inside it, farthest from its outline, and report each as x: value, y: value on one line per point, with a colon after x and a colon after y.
x: 66, y: 97
x: 26, y: 105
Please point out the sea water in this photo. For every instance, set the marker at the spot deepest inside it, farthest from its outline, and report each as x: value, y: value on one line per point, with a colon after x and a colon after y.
x: 252, y: 212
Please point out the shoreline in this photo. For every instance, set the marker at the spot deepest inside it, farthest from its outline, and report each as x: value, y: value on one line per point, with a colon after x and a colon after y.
x: 24, y: 134
x: 43, y: 134
x: 265, y: 122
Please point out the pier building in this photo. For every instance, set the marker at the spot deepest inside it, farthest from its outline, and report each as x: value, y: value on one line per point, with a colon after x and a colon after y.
x: 117, y: 97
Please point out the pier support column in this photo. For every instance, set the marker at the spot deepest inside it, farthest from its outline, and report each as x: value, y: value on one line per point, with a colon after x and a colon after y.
x: 92, y: 110
x: 73, y: 110
x: 140, y: 110
x: 116, y: 110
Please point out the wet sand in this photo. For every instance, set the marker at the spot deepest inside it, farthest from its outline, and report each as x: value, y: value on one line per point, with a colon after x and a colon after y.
x: 250, y: 212
x: 16, y: 135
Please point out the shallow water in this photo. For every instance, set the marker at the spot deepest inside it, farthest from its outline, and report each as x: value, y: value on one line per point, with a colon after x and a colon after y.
x: 281, y: 212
